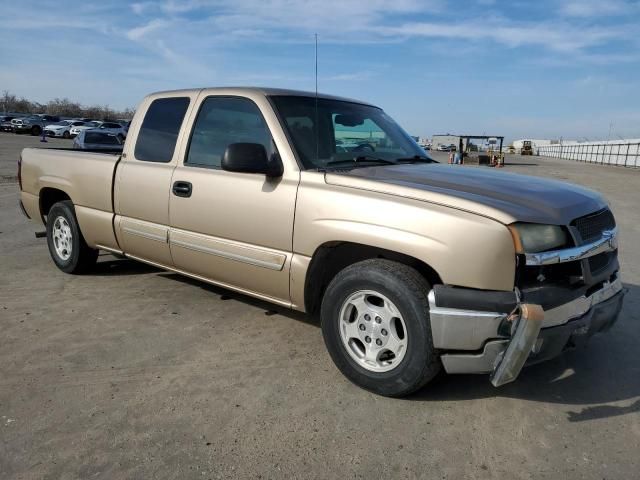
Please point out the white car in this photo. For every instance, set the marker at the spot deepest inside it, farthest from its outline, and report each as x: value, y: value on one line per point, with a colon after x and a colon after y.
x: 111, y: 127
x: 108, y: 127
x: 62, y: 129
x: 75, y: 131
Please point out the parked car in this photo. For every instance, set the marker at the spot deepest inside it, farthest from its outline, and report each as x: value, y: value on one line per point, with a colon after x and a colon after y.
x: 5, y: 123
x: 33, y: 124
x: 115, y: 128
x: 97, y: 140
x: 447, y: 148
x: 411, y: 265
x: 62, y: 128
x: 110, y: 127
x: 87, y: 126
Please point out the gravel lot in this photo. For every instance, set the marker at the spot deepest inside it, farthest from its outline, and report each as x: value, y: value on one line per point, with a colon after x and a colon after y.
x: 132, y: 372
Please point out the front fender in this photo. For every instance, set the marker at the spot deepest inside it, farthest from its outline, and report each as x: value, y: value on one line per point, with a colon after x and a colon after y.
x: 465, y: 249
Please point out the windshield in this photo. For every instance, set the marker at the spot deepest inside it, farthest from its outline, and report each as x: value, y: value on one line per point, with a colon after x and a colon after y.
x: 350, y: 134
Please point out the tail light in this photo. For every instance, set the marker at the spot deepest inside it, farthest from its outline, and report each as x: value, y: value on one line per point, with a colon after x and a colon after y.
x: 20, y: 171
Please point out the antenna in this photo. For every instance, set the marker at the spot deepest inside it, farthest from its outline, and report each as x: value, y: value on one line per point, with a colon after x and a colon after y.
x: 317, y: 127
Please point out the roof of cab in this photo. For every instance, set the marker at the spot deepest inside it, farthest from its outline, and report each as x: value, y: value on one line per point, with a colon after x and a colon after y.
x: 266, y: 91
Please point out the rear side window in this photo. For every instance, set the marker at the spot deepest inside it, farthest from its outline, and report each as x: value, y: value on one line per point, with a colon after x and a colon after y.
x: 159, y: 132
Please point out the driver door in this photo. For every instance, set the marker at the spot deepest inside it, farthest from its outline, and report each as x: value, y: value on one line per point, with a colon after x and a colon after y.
x: 234, y: 229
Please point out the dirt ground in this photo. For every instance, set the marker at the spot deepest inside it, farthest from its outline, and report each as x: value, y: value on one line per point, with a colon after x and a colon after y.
x: 131, y: 372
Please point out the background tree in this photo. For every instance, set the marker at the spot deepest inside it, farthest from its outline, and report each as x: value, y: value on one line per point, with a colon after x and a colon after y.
x: 63, y: 107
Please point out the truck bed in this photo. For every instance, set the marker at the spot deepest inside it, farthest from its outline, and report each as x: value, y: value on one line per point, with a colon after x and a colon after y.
x: 86, y: 178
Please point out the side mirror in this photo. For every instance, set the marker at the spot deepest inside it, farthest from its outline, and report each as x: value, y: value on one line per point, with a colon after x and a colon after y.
x: 251, y: 158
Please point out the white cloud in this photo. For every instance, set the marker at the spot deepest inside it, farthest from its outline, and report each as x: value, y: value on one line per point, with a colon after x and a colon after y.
x: 554, y: 36
x: 138, y: 33
x: 597, y: 8
x: 140, y: 8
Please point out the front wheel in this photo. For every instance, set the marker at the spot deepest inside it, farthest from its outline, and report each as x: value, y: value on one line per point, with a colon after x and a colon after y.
x: 66, y: 135
x: 67, y: 246
x: 375, y: 323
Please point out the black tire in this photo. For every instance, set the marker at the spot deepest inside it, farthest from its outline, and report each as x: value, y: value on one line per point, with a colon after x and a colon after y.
x: 36, y: 130
x: 81, y: 258
x: 66, y: 135
x: 408, y: 291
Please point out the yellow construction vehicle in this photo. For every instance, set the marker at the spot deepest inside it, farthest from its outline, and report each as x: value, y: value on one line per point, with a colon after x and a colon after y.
x: 527, y: 149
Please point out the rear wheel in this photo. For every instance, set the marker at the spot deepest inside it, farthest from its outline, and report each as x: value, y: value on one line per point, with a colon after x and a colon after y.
x: 67, y: 246
x: 36, y: 130
x: 375, y: 323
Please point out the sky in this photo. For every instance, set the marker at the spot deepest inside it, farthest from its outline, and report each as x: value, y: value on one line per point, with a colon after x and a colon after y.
x: 523, y: 69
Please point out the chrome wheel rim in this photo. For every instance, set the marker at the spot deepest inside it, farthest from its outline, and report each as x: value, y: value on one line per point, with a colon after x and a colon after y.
x: 62, y: 238
x: 373, y: 331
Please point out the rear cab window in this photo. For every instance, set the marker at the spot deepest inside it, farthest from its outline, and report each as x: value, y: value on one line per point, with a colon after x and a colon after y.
x: 158, y: 134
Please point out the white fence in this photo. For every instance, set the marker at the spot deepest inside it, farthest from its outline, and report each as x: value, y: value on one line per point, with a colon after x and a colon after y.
x: 609, y: 153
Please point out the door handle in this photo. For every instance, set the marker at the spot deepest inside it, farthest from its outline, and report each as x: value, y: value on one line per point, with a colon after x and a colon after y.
x: 182, y: 189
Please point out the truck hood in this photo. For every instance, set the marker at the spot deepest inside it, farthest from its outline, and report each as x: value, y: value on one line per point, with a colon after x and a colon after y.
x: 505, y: 197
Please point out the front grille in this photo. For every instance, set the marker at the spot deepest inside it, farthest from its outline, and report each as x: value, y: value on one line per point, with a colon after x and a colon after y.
x: 600, y: 261
x: 591, y: 227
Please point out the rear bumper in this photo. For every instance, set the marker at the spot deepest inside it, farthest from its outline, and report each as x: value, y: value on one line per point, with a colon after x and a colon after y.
x: 477, y: 341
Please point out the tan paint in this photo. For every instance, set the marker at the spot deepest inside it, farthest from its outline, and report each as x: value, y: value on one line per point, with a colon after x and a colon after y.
x: 299, y: 268
x: 258, y: 235
x: 84, y: 177
x: 142, y: 191
x: 447, y: 239
x: 96, y: 227
x: 193, y: 275
x: 146, y: 238
x: 31, y: 205
x: 248, y: 217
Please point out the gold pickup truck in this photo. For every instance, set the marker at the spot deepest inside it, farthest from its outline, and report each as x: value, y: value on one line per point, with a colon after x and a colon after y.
x: 325, y: 205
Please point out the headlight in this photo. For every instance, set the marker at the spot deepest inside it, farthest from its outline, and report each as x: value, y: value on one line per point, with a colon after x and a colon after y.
x: 533, y: 237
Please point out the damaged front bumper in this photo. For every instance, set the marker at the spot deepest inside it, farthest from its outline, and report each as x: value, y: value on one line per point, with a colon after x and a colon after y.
x: 515, y: 333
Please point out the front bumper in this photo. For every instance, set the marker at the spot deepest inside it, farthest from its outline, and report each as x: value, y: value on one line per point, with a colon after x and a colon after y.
x: 478, y: 341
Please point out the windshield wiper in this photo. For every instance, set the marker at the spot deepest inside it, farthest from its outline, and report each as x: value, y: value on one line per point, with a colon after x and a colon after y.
x: 416, y: 159
x: 361, y: 161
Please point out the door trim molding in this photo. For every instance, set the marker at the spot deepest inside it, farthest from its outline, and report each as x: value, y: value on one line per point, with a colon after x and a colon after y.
x: 244, y: 291
x: 231, y: 256
x: 228, y: 249
x: 149, y: 235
